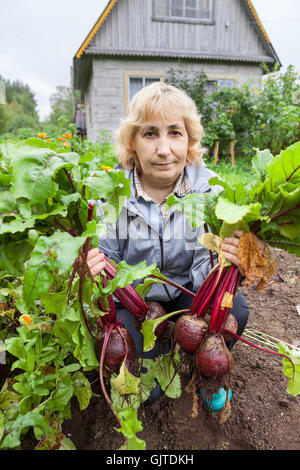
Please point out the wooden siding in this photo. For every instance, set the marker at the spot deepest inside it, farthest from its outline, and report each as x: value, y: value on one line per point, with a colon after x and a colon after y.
x: 130, y: 29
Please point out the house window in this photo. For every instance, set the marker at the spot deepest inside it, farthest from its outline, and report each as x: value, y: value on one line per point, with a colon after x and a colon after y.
x: 183, y: 10
x: 135, y: 80
x: 212, y: 85
x: 137, y: 83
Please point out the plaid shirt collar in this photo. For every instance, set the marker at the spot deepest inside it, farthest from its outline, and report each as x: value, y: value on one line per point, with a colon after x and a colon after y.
x: 181, y: 188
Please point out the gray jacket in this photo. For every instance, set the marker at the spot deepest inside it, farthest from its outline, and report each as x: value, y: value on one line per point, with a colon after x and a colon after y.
x: 139, y: 235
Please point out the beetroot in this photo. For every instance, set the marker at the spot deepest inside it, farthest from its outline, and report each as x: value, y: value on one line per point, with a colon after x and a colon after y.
x: 189, y: 332
x: 155, y: 311
x: 213, y: 359
x: 231, y: 325
x: 116, y: 349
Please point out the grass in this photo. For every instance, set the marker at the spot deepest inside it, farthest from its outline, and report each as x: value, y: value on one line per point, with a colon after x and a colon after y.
x: 241, y: 172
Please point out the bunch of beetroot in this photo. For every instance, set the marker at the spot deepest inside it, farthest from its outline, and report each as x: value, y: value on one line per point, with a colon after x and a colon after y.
x: 202, y: 331
x: 205, y: 330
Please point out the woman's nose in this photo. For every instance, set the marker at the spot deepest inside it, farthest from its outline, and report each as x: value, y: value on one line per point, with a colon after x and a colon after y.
x: 163, y: 146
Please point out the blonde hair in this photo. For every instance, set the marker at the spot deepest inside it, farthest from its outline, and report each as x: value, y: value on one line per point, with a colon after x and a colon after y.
x: 159, y: 99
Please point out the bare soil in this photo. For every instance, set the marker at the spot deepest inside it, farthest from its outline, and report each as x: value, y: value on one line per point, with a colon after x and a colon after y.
x: 263, y: 415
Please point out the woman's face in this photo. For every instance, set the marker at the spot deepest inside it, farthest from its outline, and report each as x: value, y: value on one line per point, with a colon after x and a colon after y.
x: 161, y: 147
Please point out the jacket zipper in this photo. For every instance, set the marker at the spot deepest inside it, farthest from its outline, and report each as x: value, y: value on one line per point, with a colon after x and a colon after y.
x: 161, y: 249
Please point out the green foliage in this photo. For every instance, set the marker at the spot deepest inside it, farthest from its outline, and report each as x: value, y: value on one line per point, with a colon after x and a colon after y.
x: 49, y: 309
x: 20, y: 110
x: 44, y: 192
x: 294, y: 379
x: 62, y: 103
x: 269, y: 205
x: 254, y: 118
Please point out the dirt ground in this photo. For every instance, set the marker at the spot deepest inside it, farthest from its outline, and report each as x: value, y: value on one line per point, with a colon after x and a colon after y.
x: 263, y: 415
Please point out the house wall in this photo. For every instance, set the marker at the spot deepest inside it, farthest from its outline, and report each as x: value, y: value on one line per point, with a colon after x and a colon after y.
x: 105, y: 96
x: 132, y: 28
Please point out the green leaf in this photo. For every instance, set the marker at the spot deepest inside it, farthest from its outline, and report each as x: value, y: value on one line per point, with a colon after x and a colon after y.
x: 198, y: 208
x: 2, y: 425
x: 82, y: 389
x: 283, y: 168
x: 162, y: 368
x: 15, y: 428
x: 60, y: 397
x: 260, y: 163
x: 70, y: 328
x: 67, y: 444
x: 127, y: 274
x: 293, y: 387
x: 130, y: 426
x: 143, y: 288
x: 55, y: 303
x: 9, y: 400
x: 113, y: 187
x: 236, y: 194
x: 232, y: 213
x: 88, y: 157
x: 51, y: 256
x: 15, y: 346
x: 148, y: 328
x: 168, y: 379
x: 13, y: 256
x: 34, y: 169
x: 126, y: 383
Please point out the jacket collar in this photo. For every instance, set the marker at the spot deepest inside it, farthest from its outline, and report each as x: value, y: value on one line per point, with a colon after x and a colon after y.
x: 197, y: 175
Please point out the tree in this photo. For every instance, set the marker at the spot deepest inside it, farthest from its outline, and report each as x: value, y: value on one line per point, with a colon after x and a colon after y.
x: 62, y: 103
x: 20, y: 109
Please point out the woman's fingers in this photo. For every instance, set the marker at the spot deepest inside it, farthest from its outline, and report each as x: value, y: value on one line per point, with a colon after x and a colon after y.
x: 94, y: 252
x: 95, y: 261
x: 230, y: 248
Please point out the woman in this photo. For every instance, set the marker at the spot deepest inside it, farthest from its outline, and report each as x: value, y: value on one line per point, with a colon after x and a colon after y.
x: 158, y: 146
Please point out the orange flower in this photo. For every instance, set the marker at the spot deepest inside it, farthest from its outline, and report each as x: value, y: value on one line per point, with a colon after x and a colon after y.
x: 106, y: 167
x: 48, y: 140
x: 42, y: 135
x: 27, y: 320
x: 67, y: 135
x: 67, y: 144
x: 61, y: 138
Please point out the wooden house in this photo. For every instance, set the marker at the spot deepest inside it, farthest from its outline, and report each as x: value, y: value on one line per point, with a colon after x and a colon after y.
x: 135, y: 42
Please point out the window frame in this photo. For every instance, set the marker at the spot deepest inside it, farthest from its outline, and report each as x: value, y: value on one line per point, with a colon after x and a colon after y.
x: 144, y: 74
x: 213, y: 77
x: 178, y: 19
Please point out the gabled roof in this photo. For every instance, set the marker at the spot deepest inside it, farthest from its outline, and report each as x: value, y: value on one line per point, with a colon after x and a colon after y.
x: 95, y: 28
x: 247, y: 3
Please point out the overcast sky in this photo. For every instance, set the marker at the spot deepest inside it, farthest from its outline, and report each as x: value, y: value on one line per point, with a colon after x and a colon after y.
x: 38, y: 38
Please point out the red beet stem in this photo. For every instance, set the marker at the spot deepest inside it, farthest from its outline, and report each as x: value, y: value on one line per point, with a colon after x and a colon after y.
x: 171, y: 283
x: 208, y: 294
x: 205, y: 287
x: 90, y: 211
x: 127, y: 296
x: 232, y: 288
x: 219, y: 315
x: 260, y: 348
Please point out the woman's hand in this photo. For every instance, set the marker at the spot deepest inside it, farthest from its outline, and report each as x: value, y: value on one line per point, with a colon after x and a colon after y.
x: 95, y: 261
x: 230, y: 249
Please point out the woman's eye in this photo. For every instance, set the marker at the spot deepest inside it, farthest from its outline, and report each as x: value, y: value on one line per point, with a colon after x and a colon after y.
x: 149, y: 134
x: 175, y: 133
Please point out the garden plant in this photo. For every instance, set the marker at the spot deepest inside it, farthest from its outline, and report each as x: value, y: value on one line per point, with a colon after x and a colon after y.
x: 57, y: 321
